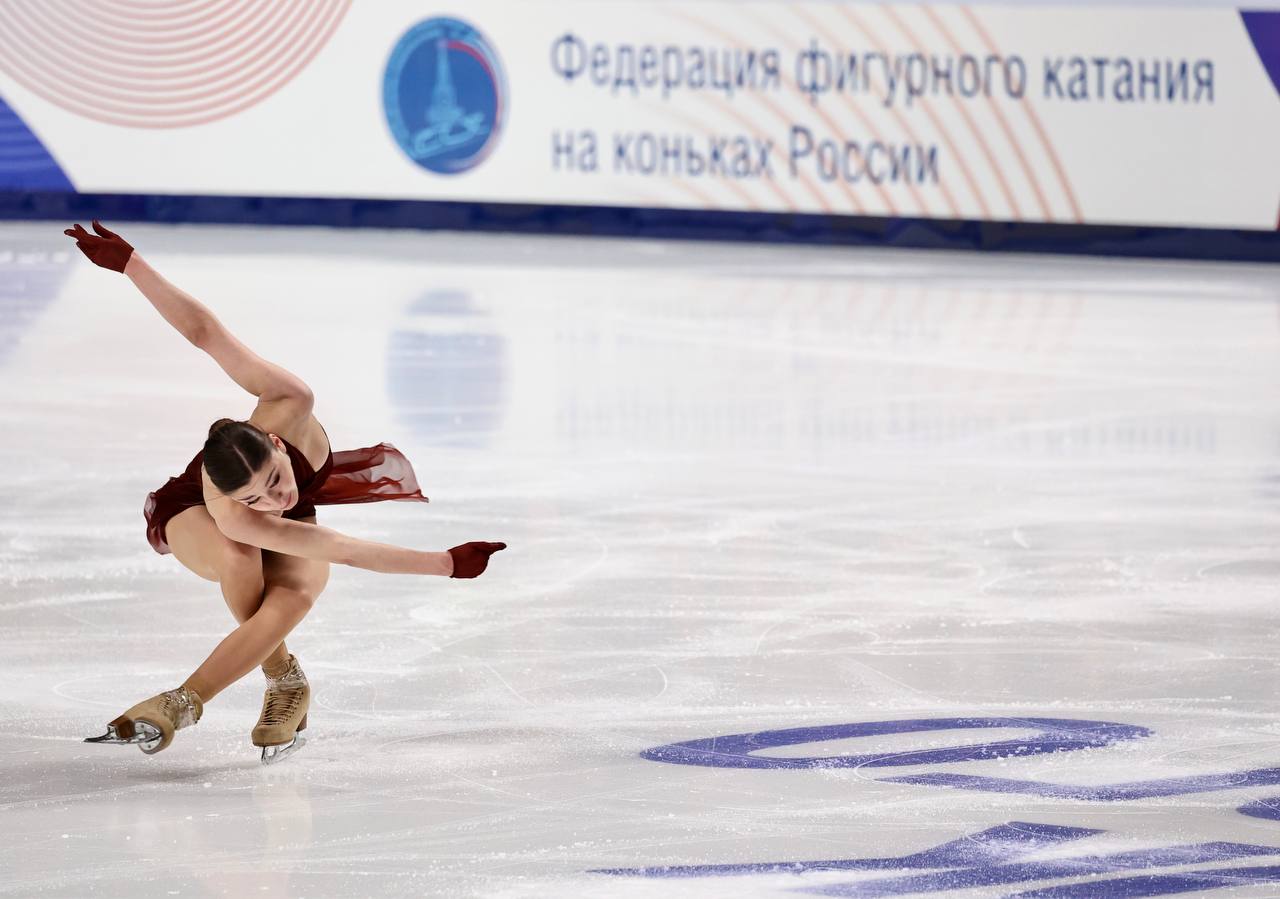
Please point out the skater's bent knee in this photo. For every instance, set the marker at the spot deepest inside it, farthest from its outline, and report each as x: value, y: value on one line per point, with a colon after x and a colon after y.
x: 295, y: 600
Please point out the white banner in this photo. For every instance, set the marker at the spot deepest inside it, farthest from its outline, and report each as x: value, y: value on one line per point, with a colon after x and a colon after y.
x: 1072, y: 114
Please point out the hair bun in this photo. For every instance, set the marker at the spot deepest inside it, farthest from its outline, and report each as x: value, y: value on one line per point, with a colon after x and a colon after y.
x: 234, y: 451
x: 219, y: 425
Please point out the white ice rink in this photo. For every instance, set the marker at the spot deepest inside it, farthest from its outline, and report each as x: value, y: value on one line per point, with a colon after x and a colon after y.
x: 746, y: 489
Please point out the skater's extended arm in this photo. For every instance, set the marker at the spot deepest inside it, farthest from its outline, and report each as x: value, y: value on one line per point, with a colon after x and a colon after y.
x: 191, y: 318
x: 197, y: 323
x: 312, y: 541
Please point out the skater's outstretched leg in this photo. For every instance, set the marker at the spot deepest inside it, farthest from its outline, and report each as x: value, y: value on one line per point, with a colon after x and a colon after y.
x: 248, y: 645
x: 152, y: 723
x: 236, y: 567
x: 292, y: 586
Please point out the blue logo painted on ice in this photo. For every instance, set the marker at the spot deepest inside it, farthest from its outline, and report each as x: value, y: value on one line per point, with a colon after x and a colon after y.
x: 994, y: 857
x: 444, y: 95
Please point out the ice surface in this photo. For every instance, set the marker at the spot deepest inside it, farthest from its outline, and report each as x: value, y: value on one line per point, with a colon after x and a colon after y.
x: 745, y: 489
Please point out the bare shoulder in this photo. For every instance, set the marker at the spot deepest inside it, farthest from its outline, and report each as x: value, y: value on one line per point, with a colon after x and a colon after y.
x: 219, y: 506
x: 294, y: 421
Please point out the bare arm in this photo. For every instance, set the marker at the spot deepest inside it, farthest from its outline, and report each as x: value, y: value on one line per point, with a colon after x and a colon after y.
x: 189, y: 316
x: 194, y: 321
x: 313, y: 541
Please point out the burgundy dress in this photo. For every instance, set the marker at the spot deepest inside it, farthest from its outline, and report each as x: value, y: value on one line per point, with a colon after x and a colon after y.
x: 367, y: 475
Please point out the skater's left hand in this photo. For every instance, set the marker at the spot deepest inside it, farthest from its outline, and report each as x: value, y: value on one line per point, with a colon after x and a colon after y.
x: 107, y: 249
x: 471, y: 559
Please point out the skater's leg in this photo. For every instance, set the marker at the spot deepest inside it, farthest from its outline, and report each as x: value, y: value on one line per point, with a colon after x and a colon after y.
x: 199, y: 545
x: 293, y: 584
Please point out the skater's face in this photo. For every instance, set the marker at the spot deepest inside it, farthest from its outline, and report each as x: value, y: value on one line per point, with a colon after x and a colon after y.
x: 272, y: 487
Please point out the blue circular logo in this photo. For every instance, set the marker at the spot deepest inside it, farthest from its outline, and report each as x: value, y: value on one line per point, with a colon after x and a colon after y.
x: 444, y: 95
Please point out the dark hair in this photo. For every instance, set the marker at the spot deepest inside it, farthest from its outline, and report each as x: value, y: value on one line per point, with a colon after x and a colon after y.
x: 233, y: 452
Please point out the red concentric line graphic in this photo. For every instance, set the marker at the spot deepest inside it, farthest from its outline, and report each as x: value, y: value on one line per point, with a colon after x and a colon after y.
x: 161, y: 64
x: 755, y: 128
x: 1035, y: 122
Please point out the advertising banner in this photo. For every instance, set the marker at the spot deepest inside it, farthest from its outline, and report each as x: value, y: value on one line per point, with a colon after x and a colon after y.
x: 1081, y: 115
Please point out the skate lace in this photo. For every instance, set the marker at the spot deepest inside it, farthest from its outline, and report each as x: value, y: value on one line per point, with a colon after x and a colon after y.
x: 284, y: 695
x: 179, y: 708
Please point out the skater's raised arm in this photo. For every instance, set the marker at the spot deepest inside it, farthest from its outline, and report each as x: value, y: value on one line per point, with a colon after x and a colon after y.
x: 190, y: 318
x: 312, y: 541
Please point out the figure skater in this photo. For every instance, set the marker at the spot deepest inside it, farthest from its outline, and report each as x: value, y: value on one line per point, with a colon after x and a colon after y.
x: 243, y: 515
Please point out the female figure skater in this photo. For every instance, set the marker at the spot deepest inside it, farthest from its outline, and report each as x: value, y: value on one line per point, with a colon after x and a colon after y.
x: 243, y: 515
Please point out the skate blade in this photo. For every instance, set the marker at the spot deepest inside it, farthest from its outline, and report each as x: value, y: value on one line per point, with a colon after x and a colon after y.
x: 146, y: 736
x: 273, y: 754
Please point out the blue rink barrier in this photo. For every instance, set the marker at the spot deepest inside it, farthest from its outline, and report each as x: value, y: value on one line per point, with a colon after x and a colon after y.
x: 609, y: 221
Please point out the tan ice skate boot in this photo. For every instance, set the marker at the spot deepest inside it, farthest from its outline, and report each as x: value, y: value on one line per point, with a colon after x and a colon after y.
x: 284, y: 712
x: 151, y: 723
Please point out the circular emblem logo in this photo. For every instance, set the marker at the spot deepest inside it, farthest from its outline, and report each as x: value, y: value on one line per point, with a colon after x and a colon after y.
x: 444, y: 95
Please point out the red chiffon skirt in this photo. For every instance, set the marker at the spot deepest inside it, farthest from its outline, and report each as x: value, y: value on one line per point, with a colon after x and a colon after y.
x: 367, y: 475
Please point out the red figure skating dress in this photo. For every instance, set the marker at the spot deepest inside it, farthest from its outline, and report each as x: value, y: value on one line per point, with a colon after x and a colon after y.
x: 367, y: 475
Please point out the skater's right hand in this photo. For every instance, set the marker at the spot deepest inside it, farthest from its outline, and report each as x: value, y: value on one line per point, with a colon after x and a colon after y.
x: 107, y: 249
x: 471, y: 559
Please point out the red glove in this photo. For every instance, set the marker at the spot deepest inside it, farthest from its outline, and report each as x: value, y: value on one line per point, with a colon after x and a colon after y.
x: 108, y: 250
x: 471, y: 559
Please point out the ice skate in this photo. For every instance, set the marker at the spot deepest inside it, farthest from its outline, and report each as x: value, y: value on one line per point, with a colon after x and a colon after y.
x: 151, y: 723
x: 284, y: 713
